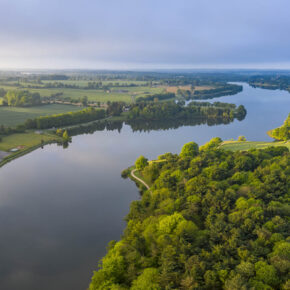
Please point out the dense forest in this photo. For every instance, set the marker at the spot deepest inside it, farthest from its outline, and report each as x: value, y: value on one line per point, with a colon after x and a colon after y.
x: 283, y: 132
x: 213, y: 219
x: 194, y: 110
x: 21, y: 98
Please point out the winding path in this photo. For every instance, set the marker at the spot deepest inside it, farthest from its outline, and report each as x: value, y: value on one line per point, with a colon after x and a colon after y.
x: 139, y: 179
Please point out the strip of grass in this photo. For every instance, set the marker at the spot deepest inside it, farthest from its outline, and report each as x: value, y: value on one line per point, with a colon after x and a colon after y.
x: 12, y: 116
x: 247, y: 145
x: 25, y: 140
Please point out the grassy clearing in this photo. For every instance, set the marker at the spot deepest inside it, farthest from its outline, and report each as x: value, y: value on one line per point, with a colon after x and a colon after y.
x: 247, y: 145
x: 12, y: 116
x: 25, y: 140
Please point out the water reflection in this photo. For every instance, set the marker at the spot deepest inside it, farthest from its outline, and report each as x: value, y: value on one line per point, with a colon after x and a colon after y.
x: 59, y: 208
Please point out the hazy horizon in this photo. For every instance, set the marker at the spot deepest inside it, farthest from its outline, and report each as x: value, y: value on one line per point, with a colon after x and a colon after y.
x: 130, y: 35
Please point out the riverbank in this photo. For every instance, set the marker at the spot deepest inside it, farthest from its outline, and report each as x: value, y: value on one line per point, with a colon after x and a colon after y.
x: 19, y: 144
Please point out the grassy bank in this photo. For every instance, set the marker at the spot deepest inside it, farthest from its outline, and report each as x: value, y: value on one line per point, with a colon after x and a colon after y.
x: 247, y: 145
x: 25, y: 142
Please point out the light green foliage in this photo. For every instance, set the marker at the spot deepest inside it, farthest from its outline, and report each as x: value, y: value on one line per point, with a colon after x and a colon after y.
x: 148, y: 280
x: 189, y: 150
x: 266, y: 273
x: 169, y: 223
x: 215, y: 220
x: 141, y: 163
x: 65, y: 136
x: 242, y: 138
x: 213, y: 143
x: 283, y: 132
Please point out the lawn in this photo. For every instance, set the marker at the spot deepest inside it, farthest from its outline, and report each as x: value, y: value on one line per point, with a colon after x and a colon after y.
x: 12, y: 116
x: 24, y: 140
x: 247, y: 145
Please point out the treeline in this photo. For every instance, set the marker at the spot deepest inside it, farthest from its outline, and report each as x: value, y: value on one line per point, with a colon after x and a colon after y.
x: 66, y: 119
x: 283, y: 132
x: 271, y: 82
x: 213, y: 219
x: 158, y: 97
x: 19, y: 98
x: 173, y: 111
x: 228, y: 89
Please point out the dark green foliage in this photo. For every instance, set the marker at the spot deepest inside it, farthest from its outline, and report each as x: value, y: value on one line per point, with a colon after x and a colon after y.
x: 60, y: 120
x: 213, y: 220
x: 223, y: 90
x: 194, y: 110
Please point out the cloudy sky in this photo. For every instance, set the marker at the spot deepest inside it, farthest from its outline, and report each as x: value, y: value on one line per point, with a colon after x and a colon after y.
x: 126, y: 34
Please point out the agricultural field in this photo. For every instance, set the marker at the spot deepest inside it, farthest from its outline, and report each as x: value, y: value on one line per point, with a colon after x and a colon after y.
x: 173, y: 89
x: 13, y: 116
x: 247, y: 145
x: 125, y: 94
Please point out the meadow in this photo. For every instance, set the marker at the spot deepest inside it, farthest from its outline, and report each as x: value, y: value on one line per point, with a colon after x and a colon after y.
x: 124, y: 94
x: 24, y: 140
x: 247, y: 145
x: 13, y: 116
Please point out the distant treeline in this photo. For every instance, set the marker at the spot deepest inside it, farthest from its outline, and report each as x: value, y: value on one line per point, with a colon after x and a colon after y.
x: 66, y: 119
x: 272, y: 82
x: 194, y: 110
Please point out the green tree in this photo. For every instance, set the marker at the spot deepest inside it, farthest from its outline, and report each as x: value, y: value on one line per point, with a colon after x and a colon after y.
x: 148, y: 280
x: 65, y: 136
x: 189, y: 150
x: 141, y: 163
x: 84, y: 100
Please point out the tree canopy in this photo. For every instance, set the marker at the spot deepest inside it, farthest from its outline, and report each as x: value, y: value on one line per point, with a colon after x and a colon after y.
x: 213, y: 220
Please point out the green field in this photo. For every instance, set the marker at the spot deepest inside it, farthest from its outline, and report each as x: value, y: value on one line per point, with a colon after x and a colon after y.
x: 12, y: 116
x: 247, y: 145
x: 25, y: 140
x: 96, y: 95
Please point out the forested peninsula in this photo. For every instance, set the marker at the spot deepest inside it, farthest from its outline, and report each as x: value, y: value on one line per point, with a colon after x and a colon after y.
x: 283, y: 132
x: 212, y: 219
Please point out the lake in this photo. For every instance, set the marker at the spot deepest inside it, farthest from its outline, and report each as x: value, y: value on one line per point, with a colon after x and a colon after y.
x: 59, y: 208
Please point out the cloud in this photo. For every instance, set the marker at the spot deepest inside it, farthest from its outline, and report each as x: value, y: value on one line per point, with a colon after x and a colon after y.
x: 112, y: 33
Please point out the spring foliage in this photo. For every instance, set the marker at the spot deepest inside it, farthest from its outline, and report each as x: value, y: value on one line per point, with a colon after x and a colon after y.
x: 213, y: 220
x: 283, y: 132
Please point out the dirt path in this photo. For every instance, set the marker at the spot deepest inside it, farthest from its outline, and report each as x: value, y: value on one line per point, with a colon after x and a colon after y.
x: 139, y: 179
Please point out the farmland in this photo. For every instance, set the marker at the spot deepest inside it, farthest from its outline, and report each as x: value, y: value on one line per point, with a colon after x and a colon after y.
x: 13, y: 116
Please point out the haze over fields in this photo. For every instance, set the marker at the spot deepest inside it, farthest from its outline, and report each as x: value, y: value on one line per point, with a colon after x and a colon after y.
x: 130, y: 34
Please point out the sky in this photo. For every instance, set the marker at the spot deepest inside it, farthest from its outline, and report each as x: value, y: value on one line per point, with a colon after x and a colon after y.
x: 147, y: 34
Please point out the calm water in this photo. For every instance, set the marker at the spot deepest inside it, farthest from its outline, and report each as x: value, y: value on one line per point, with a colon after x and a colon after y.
x: 59, y: 208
